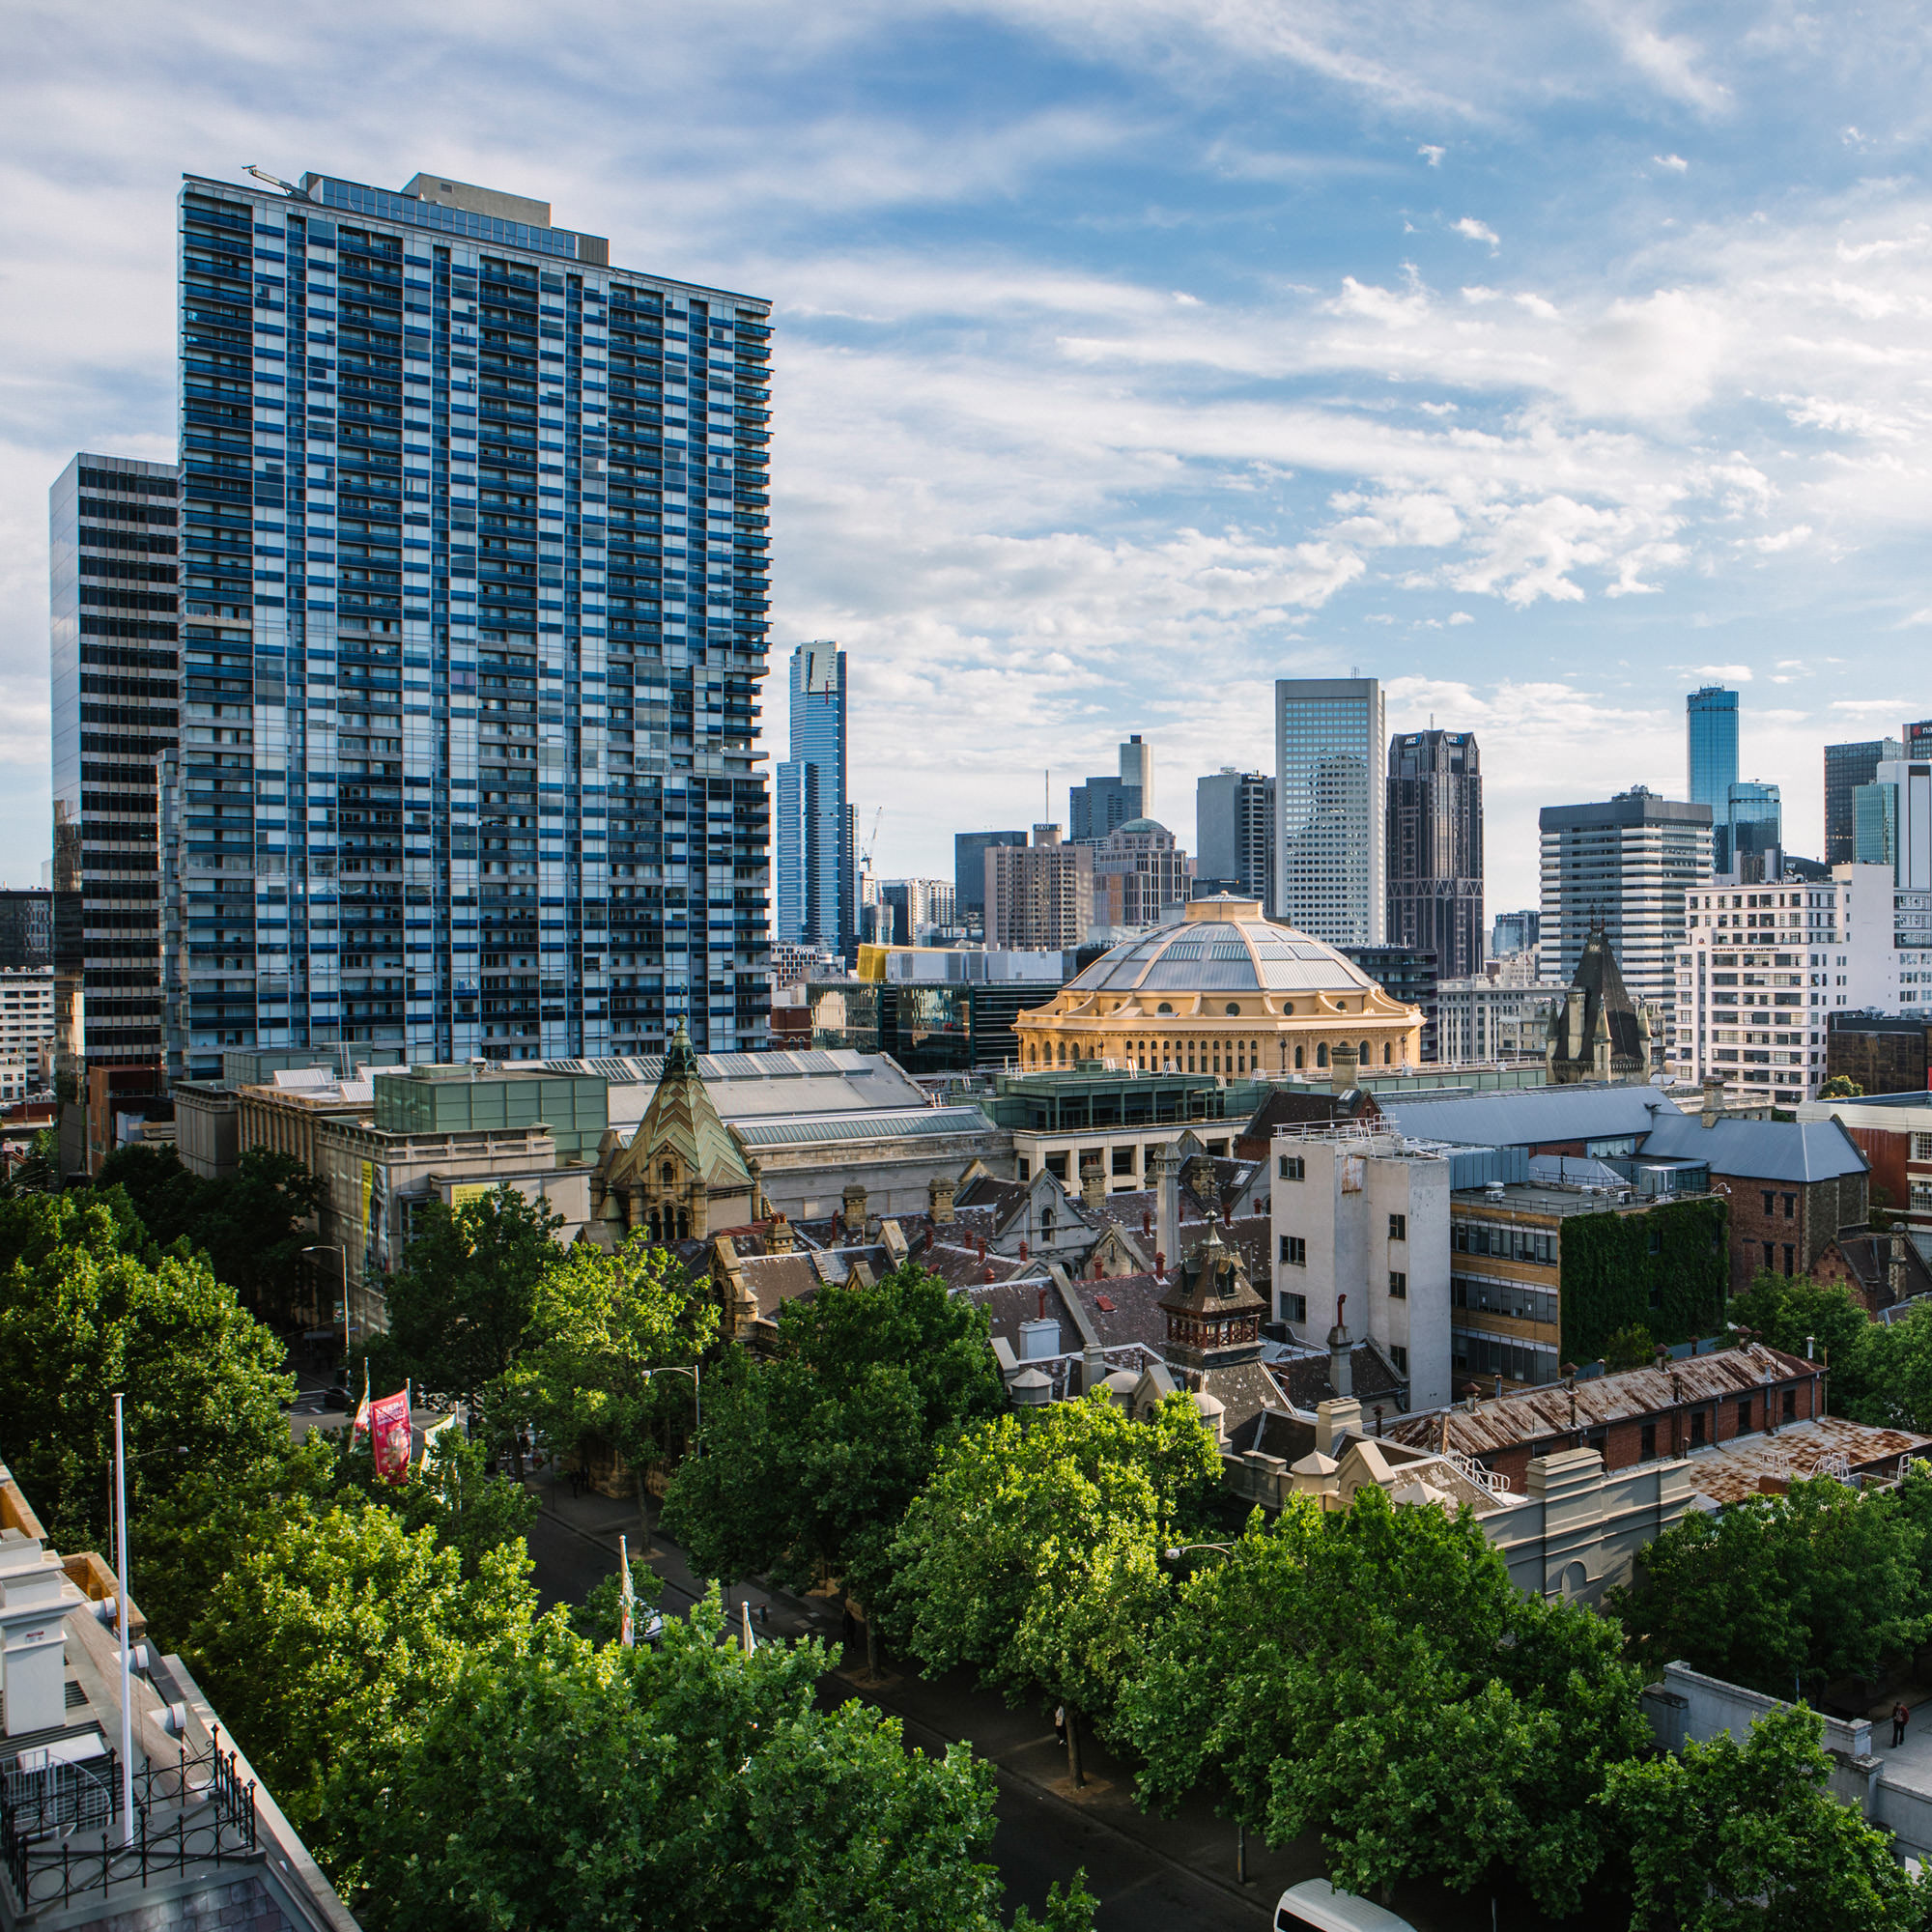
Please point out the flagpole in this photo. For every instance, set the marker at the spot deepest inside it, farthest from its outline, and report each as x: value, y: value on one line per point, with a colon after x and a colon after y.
x: 127, y: 1629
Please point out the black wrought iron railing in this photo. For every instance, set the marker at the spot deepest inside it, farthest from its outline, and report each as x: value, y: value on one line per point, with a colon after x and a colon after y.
x: 64, y: 1832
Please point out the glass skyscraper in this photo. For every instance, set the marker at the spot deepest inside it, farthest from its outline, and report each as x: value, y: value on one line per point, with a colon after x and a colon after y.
x: 813, y: 832
x: 1711, y: 745
x: 1847, y: 767
x: 1330, y: 835
x: 114, y: 603
x: 1436, y: 849
x: 1754, y: 827
x: 474, y: 554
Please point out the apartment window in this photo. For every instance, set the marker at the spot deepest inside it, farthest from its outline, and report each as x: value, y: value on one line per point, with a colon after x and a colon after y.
x: 1293, y: 1307
x: 1397, y: 1227
x: 1765, y: 1197
x: 1789, y: 1202
x: 1025, y: 1168
x: 1398, y: 1284
x: 1293, y: 1167
x: 1789, y: 1405
x: 1790, y: 1256
x: 1295, y: 1251
x: 1646, y: 1450
x: 1400, y: 1357
x: 1769, y: 1252
x: 1697, y: 1427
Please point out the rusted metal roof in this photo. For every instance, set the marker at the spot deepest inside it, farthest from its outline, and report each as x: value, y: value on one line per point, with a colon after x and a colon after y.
x: 1830, y: 1445
x: 1534, y: 1415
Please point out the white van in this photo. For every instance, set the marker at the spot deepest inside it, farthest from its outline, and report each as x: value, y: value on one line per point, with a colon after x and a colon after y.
x: 1316, y: 1903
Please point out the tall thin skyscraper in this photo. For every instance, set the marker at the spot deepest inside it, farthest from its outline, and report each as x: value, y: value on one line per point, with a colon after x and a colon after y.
x: 1711, y: 746
x: 115, y: 601
x: 1103, y: 805
x: 1846, y: 768
x: 1332, y: 830
x: 474, y: 542
x: 1435, y: 848
x: 813, y: 831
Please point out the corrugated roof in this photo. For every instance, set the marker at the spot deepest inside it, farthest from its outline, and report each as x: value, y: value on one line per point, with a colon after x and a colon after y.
x: 1795, y: 1151
x: 1532, y: 1416
x: 1529, y: 1116
x: 814, y: 1129
x: 1731, y: 1471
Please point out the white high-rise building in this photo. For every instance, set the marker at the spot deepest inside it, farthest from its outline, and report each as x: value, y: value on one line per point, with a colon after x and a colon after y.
x: 1763, y: 966
x: 1331, y: 841
x: 1624, y: 864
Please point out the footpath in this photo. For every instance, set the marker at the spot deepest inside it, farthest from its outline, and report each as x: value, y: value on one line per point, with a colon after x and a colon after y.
x: 1020, y: 1743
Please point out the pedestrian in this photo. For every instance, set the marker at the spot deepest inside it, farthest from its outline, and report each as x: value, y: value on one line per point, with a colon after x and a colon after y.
x: 1059, y: 1726
x: 1900, y: 1717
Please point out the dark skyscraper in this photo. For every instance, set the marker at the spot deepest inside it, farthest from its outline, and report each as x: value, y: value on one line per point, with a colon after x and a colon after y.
x: 817, y: 904
x: 969, y: 867
x: 116, y: 709
x: 1435, y: 848
x: 1846, y: 768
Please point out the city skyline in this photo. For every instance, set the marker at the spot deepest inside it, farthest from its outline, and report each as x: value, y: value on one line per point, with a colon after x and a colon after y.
x: 1420, y: 366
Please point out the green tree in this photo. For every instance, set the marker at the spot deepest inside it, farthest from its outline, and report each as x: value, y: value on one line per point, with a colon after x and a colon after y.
x: 81, y: 1318
x: 1809, y: 1585
x: 1819, y: 1319
x: 1893, y: 1383
x: 1034, y: 1553
x: 690, y: 1787
x: 1629, y: 1349
x: 39, y: 1172
x: 1374, y: 1675
x: 1731, y: 1837
x: 461, y: 1301
x: 330, y: 1639
x: 812, y: 1457
x: 1840, y: 1087
x: 602, y: 1324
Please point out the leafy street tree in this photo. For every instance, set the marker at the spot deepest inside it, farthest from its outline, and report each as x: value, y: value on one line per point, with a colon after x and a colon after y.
x: 692, y: 1787
x: 1374, y: 1675
x: 1840, y: 1087
x: 81, y: 1317
x: 812, y: 1457
x: 1034, y: 1553
x: 1733, y: 1837
x: 1894, y: 1384
x: 1814, y: 1584
x: 331, y: 1638
x: 461, y: 1303
x: 602, y: 1324
x: 1629, y: 1348
x: 250, y: 1224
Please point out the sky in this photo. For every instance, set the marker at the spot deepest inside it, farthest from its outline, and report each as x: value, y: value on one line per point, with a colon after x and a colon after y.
x: 1544, y: 360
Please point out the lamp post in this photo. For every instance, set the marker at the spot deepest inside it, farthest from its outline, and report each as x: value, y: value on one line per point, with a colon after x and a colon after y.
x: 685, y: 1369
x: 1179, y: 1551
x: 341, y: 1254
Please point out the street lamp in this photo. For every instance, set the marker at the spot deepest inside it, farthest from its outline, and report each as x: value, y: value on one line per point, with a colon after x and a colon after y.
x: 342, y: 1254
x: 685, y: 1369
x: 1175, y: 1554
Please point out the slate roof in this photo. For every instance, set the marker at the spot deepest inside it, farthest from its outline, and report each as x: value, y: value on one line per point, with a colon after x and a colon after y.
x: 1868, y: 1257
x: 1793, y: 1151
x: 1303, y: 1379
x: 1531, y: 1116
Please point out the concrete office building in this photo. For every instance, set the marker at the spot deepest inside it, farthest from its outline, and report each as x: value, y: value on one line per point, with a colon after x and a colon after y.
x: 1846, y: 768
x: 1103, y: 805
x: 27, y: 1022
x: 475, y: 536
x: 1234, y: 833
x: 1710, y: 747
x: 1625, y: 864
x: 1039, y: 897
x: 116, y: 700
x: 1893, y: 819
x: 1435, y: 848
x: 969, y: 869
x: 1762, y: 968
x: 811, y: 828
x: 1139, y: 873
x: 1486, y: 1017
x: 1331, y: 875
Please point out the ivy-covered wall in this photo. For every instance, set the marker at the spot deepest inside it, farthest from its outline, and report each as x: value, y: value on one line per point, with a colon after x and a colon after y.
x: 1667, y: 1270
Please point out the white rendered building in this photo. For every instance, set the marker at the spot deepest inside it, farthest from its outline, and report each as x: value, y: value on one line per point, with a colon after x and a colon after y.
x: 27, y: 1022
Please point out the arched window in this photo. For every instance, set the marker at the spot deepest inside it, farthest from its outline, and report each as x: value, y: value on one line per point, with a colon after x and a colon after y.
x: 1046, y: 1224
x: 667, y: 1175
x: 1298, y: 1052
x: 1165, y: 1006
x: 1321, y: 1054
x: 1365, y: 1057
x: 684, y: 1224
x: 1388, y: 1053
x: 657, y: 1226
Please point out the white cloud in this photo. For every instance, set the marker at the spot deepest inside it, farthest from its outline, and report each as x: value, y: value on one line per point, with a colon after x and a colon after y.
x: 1676, y: 163
x: 1731, y: 673
x: 1432, y: 154
x: 1460, y: 617
x: 1478, y: 231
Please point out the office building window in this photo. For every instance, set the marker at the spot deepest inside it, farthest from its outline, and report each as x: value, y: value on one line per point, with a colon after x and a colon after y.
x: 1398, y: 1284
x: 1295, y: 1251
x: 1397, y: 1227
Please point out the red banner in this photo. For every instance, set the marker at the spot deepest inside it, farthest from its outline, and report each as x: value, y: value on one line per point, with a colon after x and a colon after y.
x: 390, y: 1435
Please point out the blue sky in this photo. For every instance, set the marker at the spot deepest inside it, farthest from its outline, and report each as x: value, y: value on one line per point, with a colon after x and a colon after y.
x: 1544, y: 360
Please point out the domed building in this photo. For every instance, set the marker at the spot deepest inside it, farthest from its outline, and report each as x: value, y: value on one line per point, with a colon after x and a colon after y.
x: 1223, y: 990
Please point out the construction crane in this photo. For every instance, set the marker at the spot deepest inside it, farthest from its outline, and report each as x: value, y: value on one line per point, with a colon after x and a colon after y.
x: 866, y: 851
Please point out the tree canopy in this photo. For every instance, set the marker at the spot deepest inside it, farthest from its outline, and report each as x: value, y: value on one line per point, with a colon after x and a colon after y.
x: 1374, y: 1675
x: 1731, y: 1837
x: 812, y: 1458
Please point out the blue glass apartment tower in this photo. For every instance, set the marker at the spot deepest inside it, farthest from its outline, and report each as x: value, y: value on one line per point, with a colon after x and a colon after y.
x: 813, y: 830
x: 474, y: 546
x: 1711, y: 746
